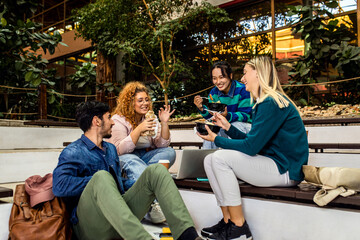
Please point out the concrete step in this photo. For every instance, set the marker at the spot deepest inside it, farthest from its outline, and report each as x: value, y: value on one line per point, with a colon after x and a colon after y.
x: 334, y: 134
x: 36, y: 137
x: 18, y: 165
x: 5, y: 209
x: 267, y: 219
x: 350, y: 160
x: 45, y: 138
x: 270, y: 219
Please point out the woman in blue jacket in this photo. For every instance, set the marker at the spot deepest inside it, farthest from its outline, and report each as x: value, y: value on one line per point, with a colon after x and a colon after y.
x: 230, y: 92
x: 271, y: 154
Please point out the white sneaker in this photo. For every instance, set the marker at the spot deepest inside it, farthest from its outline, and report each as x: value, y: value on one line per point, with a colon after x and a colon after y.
x: 156, y: 214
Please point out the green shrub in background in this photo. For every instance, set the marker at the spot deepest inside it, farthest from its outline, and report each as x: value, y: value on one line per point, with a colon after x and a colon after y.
x: 19, y: 65
x: 327, y: 44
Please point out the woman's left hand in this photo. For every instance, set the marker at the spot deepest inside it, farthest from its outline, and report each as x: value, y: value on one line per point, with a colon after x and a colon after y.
x: 210, y: 137
x: 164, y: 113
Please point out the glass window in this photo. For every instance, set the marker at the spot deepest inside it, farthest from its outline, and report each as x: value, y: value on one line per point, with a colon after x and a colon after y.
x: 249, y: 19
x: 281, y: 8
x: 287, y: 46
x: 344, y: 6
x: 347, y: 5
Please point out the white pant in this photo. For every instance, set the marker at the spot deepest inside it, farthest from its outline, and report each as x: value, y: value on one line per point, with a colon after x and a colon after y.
x: 224, y: 167
x: 242, y: 126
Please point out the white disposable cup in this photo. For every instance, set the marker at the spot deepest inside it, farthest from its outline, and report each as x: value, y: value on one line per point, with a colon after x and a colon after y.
x: 166, y: 163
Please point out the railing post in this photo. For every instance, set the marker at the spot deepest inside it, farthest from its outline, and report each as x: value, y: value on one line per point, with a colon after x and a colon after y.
x: 111, y: 100
x: 100, y: 96
x: 105, y: 73
x: 42, y: 102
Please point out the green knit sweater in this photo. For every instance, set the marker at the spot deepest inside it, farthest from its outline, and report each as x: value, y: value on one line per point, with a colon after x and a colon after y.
x: 278, y: 133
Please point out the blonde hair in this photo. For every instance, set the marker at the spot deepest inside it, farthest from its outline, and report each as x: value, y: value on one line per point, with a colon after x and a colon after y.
x: 125, y: 104
x: 269, y: 81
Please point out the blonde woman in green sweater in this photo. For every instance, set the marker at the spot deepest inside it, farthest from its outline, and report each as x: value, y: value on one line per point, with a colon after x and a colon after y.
x: 271, y: 154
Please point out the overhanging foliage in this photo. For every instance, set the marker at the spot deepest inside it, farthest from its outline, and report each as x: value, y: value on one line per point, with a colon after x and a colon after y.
x: 145, y: 31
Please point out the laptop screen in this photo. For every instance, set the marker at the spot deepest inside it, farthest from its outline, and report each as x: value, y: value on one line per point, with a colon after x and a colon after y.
x: 192, y: 163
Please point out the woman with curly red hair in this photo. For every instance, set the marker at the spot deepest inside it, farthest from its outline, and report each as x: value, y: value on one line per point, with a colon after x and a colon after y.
x: 136, y: 148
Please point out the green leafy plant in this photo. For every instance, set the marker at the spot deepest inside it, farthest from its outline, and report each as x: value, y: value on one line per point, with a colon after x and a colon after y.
x: 347, y: 57
x: 20, y: 65
x: 326, y: 43
x: 84, y: 78
x: 145, y: 31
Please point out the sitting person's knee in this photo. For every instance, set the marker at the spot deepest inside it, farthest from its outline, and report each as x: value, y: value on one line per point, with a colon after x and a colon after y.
x: 207, y: 160
x: 217, y: 158
x: 101, y: 176
x: 156, y: 169
x: 172, y: 156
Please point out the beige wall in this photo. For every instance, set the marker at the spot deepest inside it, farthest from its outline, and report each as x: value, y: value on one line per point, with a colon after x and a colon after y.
x: 76, y: 45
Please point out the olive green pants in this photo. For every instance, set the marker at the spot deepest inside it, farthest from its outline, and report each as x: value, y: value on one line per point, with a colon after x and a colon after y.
x: 104, y: 213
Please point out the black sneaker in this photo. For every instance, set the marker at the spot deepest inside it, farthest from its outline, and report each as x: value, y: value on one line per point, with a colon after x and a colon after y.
x: 205, y: 232
x: 231, y: 231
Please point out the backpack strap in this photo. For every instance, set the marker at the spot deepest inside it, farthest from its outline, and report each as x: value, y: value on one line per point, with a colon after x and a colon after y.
x: 48, y: 209
x: 26, y: 210
x: 21, y: 198
x: 323, y: 196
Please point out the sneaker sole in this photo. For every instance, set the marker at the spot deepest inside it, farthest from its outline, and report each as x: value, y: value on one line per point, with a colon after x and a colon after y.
x: 243, y: 237
x: 205, y: 234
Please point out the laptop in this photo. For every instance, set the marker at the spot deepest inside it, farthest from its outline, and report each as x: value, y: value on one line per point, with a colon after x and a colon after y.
x: 192, y: 163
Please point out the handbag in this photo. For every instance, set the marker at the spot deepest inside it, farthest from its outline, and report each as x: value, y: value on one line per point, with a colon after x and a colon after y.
x: 47, y: 220
x: 333, y: 181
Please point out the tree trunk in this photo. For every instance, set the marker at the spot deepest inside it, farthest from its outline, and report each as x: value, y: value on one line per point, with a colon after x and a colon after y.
x: 165, y: 87
x: 105, y: 72
x: 166, y: 99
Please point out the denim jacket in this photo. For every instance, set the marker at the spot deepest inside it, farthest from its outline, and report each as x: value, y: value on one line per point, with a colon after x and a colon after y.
x: 78, y: 162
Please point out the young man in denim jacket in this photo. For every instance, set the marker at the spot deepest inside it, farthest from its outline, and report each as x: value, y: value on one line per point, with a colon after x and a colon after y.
x: 88, y: 178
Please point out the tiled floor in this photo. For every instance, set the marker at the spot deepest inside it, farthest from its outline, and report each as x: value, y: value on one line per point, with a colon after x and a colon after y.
x: 153, y: 229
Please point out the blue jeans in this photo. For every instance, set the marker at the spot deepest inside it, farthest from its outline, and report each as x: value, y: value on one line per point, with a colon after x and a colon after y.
x: 133, y: 164
x: 242, y: 126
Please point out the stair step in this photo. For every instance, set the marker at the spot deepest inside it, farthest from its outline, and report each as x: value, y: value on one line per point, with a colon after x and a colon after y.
x: 16, y: 166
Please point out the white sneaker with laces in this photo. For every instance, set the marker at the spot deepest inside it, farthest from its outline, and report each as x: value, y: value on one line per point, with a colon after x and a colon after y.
x: 156, y: 214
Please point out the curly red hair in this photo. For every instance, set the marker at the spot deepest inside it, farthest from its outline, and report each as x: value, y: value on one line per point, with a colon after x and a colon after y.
x: 125, y: 104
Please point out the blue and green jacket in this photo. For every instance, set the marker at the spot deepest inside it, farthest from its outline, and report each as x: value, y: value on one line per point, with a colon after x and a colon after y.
x: 237, y: 101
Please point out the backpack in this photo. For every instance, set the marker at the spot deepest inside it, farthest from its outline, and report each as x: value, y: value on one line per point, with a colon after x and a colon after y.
x: 47, y: 220
x: 333, y: 181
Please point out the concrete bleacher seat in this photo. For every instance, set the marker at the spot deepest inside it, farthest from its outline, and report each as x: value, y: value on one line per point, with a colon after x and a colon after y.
x: 334, y: 138
x: 26, y: 151
x: 278, y: 219
x: 274, y: 213
x: 36, y: 137
x: 302, y: 194
x: 334, y: 134
x: 5, y: 209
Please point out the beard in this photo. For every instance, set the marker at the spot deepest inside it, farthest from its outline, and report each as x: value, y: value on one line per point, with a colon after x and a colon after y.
x: 108, y: 135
